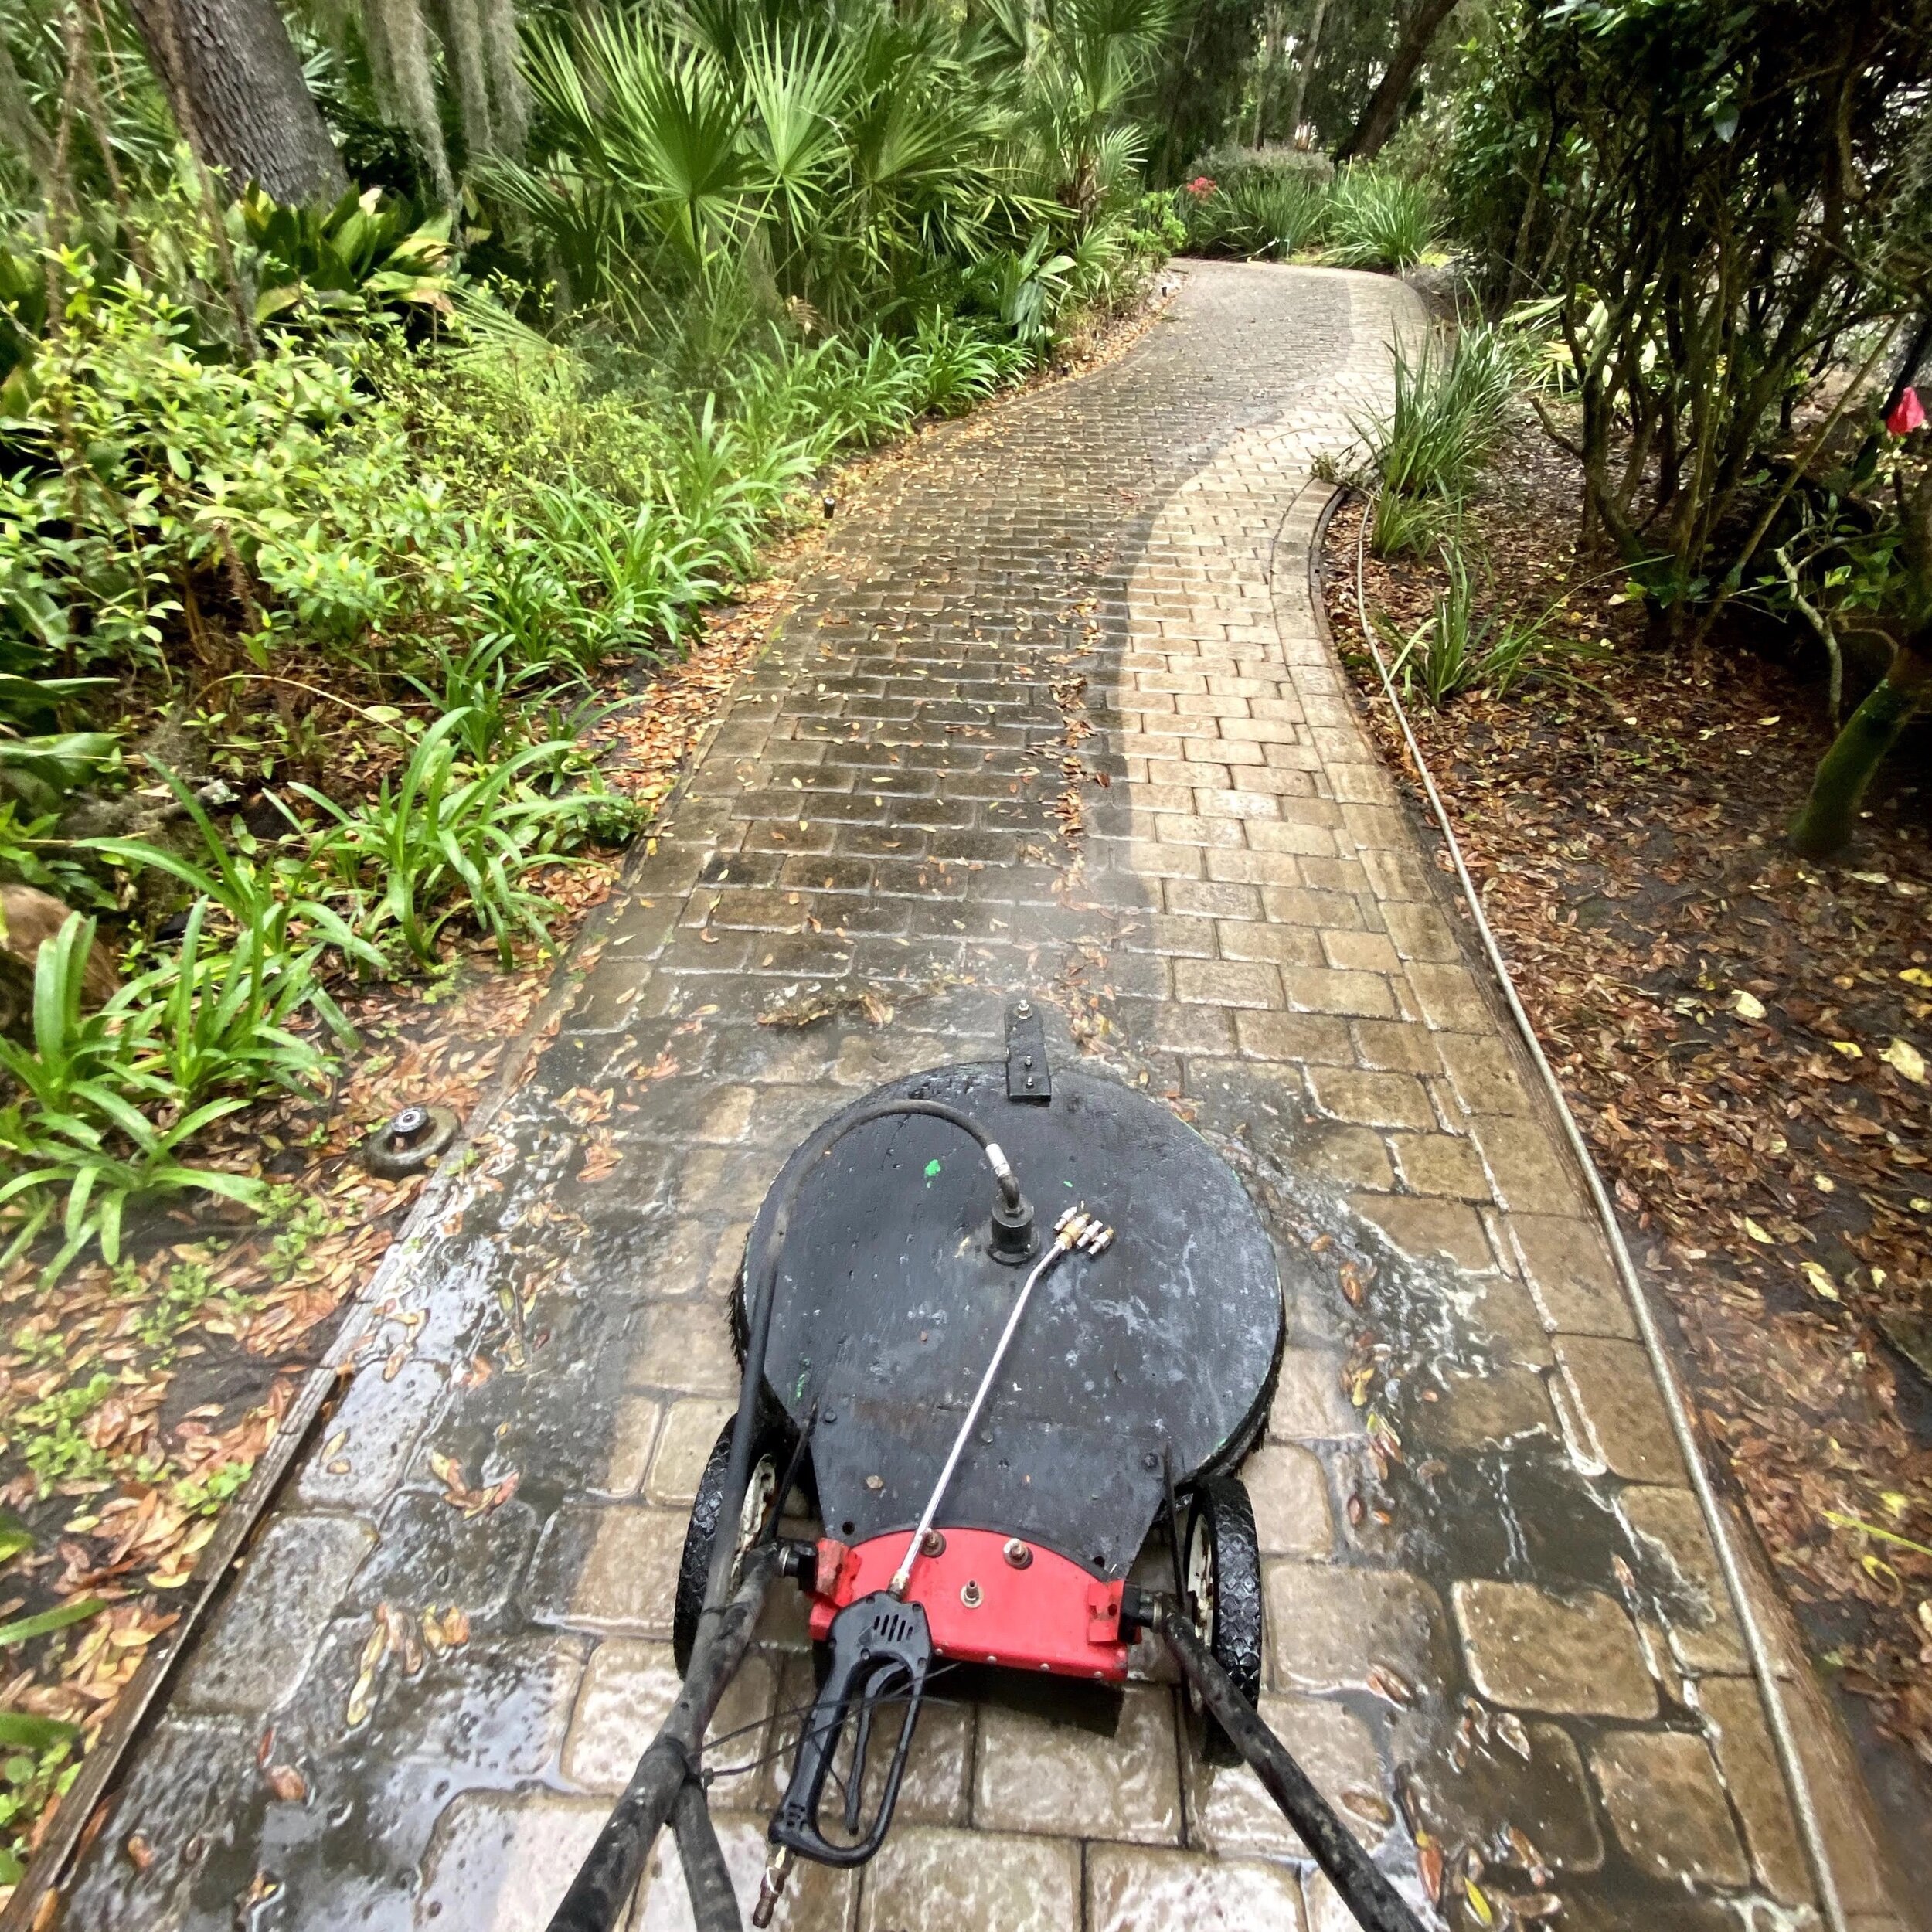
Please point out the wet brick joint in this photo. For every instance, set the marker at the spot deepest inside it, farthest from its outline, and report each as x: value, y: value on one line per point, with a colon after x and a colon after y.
x: 1055, y: 714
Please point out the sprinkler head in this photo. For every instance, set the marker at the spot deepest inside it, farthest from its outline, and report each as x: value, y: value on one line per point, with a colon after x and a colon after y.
x: 409, y: 1141
x: 828, y: 503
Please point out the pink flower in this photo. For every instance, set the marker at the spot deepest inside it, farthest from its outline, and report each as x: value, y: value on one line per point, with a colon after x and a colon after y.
x: 1908, y: 414
x: 1201, y: 186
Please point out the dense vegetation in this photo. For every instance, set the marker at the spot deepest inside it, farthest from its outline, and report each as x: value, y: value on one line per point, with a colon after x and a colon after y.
x: 318, y: 521
x: 1708, y: 241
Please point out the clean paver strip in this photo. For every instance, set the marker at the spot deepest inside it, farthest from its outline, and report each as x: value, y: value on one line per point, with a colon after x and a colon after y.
x: 1055, y: 714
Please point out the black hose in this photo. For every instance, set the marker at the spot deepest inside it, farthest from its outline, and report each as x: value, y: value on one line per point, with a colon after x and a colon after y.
x: 664, y: 1777
x: 761, y: 1282
x: 714, y: 1905
x: 611, y: 1868
x: 1377, y: 1906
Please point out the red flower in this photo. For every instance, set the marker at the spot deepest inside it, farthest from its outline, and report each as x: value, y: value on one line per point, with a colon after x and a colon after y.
x: 1201, y: 186
x: 1908, y: 414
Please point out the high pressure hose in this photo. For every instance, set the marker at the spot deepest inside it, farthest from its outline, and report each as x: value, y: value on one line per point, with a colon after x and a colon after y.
x: 665, y: 1783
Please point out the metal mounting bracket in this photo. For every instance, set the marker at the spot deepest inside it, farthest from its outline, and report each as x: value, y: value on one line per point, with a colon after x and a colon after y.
x: 1029, y: 1077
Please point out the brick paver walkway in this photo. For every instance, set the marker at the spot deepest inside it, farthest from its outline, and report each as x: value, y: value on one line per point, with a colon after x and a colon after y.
x: 1056, y: 714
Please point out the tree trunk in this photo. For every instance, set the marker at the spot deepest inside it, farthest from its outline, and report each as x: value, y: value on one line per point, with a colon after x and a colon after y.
x: 17, y: 122
x: 1305, y: 68
x: 1384, y: 110
x: 237, y: 92
x: 1830, y: 816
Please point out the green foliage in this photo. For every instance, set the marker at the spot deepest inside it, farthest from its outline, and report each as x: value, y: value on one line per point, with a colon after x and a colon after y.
x: 224, y: 1017
x: 1252, y: 203
x: 36, y: 1769
x: 1446, y: 414
x: 840, y: 159
x: 1715, y: 203
x: 714, y: 172
x: 1257, y: 212
x: 1377, y: 218
x: 76, y: 1135
x: 337, y: 262
x: 264, y: 890
x: 1401, y: 525
x: 21, y: 1629
x: 1229, y: 164
x: 956, y: 364
x: 1457, y: 648
x: 139, y: 465
x: 442, y: 841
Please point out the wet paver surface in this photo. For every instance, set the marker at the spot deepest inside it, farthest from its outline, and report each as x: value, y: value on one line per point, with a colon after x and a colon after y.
x: 1054, y: 716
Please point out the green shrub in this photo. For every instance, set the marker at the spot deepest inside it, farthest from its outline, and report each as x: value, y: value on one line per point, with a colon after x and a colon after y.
x: 1447, y: 412
x: 1379, y: 220
x: 1269, y: 204
x: 958, y: 366
x: 443, y: 841
x: 1457, y: 648
x: 222, y: 1018
x: 1402, y: 525
x: 1231, y: 163
x: 95, y: 1122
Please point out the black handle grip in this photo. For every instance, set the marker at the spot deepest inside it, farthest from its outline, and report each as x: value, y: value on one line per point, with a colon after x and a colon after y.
x: 880, y: 1648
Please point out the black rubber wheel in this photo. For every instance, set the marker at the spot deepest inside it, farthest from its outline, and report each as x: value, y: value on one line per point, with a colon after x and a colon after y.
x: 1221, y: 1566
x: 770, y: 1454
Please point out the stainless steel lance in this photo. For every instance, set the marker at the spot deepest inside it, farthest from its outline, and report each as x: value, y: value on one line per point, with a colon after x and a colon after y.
x: 1075, y: 1228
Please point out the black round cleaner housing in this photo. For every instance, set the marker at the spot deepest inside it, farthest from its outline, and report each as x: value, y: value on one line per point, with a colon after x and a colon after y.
x: 1001, y: 1321
x: 1151, y: 1362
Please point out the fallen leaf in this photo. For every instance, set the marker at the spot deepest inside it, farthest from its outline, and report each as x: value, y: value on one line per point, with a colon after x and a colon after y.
x: 286, y: 1783
x: 363, y: 1695
x: 1368, y: 1804
x: 1747, y: 1006
x: 1821, y: 1284
x: 1387, y: 1682
x: 1524, y: 1855
x: 1903, y: 1057
x: 1429, y: 1866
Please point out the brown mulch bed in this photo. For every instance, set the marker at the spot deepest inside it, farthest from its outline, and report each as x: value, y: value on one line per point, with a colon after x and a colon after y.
x: 1742, y: 1036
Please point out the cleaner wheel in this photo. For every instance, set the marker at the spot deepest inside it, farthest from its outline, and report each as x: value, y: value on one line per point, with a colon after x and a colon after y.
x: 1221, y: 1568
x: 770, y: 1453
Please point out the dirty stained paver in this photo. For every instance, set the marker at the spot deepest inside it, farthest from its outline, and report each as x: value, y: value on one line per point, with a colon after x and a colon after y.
x: 1054, y: 714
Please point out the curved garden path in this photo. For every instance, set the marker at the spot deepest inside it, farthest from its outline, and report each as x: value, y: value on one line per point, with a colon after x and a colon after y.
x: 1056, y: 712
